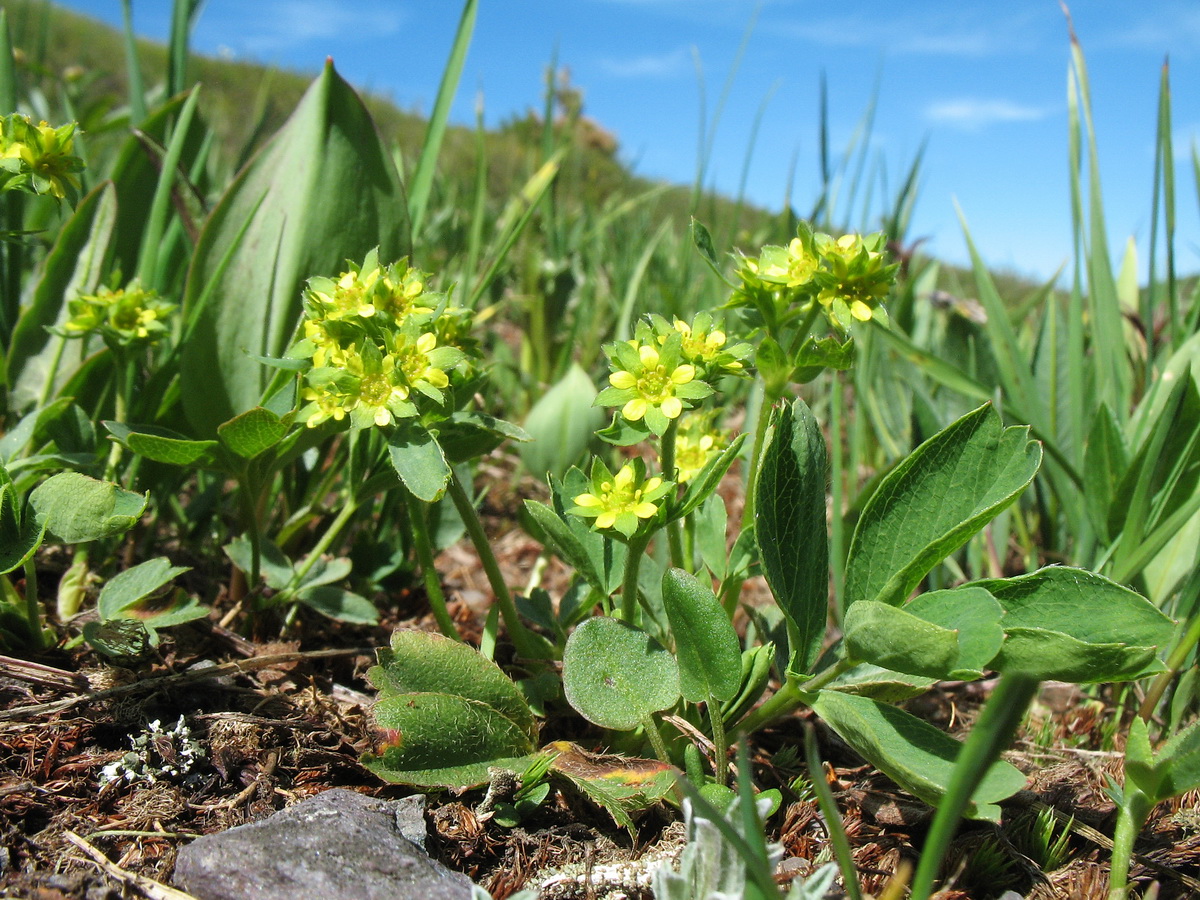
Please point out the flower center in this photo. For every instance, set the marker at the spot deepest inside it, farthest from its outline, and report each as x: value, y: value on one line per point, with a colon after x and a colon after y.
x: 654, y: 384
x: 374, y: 389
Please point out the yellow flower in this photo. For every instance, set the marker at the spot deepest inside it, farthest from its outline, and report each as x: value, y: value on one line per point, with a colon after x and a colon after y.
x: 622, y: 501
x: 650, y: 385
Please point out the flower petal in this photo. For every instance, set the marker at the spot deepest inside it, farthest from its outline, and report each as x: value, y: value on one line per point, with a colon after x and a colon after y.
x: 672, y: 407
x: 622, y: 380
x: 635, y: 409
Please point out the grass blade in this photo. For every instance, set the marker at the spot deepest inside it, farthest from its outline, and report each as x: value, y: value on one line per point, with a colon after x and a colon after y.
x: 418, y: 197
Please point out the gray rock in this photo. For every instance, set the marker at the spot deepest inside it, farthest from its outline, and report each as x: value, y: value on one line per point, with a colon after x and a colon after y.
x: 338, y: 845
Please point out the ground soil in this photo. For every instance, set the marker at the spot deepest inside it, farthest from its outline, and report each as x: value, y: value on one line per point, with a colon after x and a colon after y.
x: 283, y: 720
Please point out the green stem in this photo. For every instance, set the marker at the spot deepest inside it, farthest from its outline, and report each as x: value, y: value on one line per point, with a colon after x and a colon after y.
x: 782, y: 702
x: 666, y: 459
x: 1131, y: 816
x: 720, y: 740
x: 629, y: 581
x: 33, y: 609
x: 766, y: 402
x: 123, y: 368
x: 345, y: 514
x: 1175, y: 661
x: 998, y: 722
x: 792, y: 694
x: 523, y: 639
x: 429, y: 572
x: 656, y: 738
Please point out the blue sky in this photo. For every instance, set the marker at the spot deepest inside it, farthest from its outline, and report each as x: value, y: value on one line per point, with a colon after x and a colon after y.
x: 984, y: 84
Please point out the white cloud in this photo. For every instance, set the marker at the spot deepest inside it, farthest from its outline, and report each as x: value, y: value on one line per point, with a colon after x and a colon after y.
x: 660, y: 65
x: 929, y: 32
x: 276, y: 26
x: 973, y: 114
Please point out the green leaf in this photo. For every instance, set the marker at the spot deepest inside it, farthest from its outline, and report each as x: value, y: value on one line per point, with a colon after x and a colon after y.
x: 913, y: 753
x: 866, y: 680
x: 975, y: 615
x: 76, y: 508
x: 419, y: 662
x: 252, y: 432
x: 276, y: 569
x: 443, y: 740
x: 163, y: 445
x: 417, y: 458
x: 561, y: 424
x: 340, y: 604
x: 933, y: 501
x: 1104, y: 464
x: 894, y: 638
x: 76, y: 265
x: 122, y: 596
x: 790, y: 524
x: 615, y: 675
x: 119, y: 639
x: 1072, y: 625
x: 322, y: 191
x: 702, y: 485
x: 597, y: 559
x: 706, y: 646
x: 1178, y: 761
x: 467, y: 435
x: 18, y: 540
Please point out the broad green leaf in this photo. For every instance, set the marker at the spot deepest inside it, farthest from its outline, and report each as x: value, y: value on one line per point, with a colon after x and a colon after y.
x: 341, y: 196
x: 933, y: 501
x: 419, y: 662
x: 121, y: 597
x: 913, y: 753
x: 893, y: 638
x: 252, y: 432
x: 340, y: 604
x: 878, y: 683
x: 162, y: 445
x: 561, y: 424
x: 417, y: 458
x: 443, y: 740
x: 706, y: 646
x: 326, y: 571
x: 789, y: 521
x: 1072, y: 625
x: 119, y: 638
x: 1104, y: 465
x: 557, y: 536
x: 615, y: 675
x: 975, y: 615
x: 1054, y: 656
x: 467, y: 435
x: 76, y: 265
x: 276, y: 569
x: 76, y: 508
x: 19, y: 539
x: 1179, y: 762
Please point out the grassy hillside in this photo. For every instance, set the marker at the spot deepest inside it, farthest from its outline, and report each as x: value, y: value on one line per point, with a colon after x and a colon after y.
x: 77, y: 62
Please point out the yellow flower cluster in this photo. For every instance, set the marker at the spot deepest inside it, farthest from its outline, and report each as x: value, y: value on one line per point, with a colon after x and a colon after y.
x: 124, y: 316
x: 373, y: 337
x: 38, y: 158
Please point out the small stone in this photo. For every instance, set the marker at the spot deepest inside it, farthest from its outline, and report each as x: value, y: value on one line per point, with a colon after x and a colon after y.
x: 339, y: 845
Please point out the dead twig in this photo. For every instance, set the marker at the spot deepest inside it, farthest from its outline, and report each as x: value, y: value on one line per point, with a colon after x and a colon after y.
x: 161, y: 682
x: 148, y: 887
